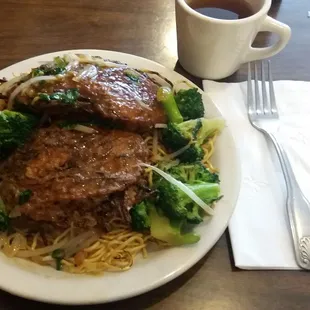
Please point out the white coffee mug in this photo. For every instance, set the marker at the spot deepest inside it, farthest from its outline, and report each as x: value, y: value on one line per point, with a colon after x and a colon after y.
x: 213, y: 48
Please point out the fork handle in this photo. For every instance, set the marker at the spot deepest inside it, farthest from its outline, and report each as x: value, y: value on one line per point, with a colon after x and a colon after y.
x: 297, y: 208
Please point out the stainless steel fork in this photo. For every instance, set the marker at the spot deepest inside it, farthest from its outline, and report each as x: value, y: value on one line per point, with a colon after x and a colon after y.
x: 263, y: 115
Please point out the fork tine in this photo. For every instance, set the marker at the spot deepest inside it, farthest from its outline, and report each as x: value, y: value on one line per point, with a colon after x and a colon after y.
x: 258, y: 103
x: 250, y: 101
x: 273, y: 105
x: 266, y: 106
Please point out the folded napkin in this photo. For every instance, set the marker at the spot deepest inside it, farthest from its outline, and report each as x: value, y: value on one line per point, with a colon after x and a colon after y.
x: 259, y: 228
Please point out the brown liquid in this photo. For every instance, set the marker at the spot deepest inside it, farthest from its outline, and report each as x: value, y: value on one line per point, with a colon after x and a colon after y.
x: 222, y: 9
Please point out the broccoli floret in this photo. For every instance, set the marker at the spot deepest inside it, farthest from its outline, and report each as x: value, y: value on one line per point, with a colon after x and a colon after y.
x: 193, y: 173
x: 171, y: 199
x: 185, y: 105
x: 15, y: 129
x: 175, y: 136
x: 165, y: 96
x: 192, y: 154
x: 145, y: 216
x: 190, y: 103
x: 196, y: 132
x: 139, y: 216
x: 202, y: 174
x: 194, y: 214
x: 169, y: 231
x: 176, y: 204
x: 4, y: 219
x: 208, y: 128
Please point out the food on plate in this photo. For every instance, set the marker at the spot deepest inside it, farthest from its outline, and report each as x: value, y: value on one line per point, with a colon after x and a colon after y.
x: 98, y: 160
x: 110, y: 91
x: 70, y: 176
x: 190, y: 136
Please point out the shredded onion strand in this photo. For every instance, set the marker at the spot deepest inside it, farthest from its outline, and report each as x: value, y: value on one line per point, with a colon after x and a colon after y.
x: 182, y: 187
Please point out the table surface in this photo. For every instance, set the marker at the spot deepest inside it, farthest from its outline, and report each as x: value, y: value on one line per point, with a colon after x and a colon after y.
x: 147, y: 28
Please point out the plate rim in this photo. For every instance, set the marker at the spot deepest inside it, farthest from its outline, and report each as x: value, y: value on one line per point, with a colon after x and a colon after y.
x: 173, y: 275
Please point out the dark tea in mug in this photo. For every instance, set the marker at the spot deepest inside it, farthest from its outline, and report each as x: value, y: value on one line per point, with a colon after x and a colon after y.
x: 222, y: 9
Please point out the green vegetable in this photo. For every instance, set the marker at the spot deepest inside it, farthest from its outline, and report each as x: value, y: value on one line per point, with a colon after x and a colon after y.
x: 4, y: 219
x: 196, y: 132
x: 38, y: 72
x: 192, y: 154
x: 145, y: 216
x: 194, y: 214
x: 178, y: 205
x: 15, y: 129
x: 24, y: 196
x: 190, y: 103
x: 60, y: 62
x: 69, y: 96
x: 169, y: 231
x: 209, y: 127
x: 132, y: 75
x: 44, y: 97
x: 57, y: 67
x: 58, y: 255
x: 178, y: 135
x: 193, y: 173
x: 139, y: 217
x: 165, y: 96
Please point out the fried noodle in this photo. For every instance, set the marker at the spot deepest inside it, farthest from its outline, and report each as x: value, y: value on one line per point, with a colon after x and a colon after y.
x: 111, y: 251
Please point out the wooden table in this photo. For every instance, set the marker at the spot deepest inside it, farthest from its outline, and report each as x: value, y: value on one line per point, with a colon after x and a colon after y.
x: 147, y: 28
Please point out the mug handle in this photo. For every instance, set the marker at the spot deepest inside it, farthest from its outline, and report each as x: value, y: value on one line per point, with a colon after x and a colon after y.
x: 271, y: 25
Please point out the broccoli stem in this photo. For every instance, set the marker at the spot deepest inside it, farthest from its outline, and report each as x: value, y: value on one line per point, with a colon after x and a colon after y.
x: 208, y: 192
x: 163, y: 229
x: 165, y: 96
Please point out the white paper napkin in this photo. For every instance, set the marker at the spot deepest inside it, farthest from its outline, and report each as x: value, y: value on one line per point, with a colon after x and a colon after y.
x: 259, y: 229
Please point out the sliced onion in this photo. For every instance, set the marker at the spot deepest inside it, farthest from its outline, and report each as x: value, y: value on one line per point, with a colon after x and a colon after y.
x: 182, y: 187
x: 90, y: 71
x: 80, y: 242
x: 46, y: 62
x: 23, y: 86
x: 113, y: 64
x: 175, y: 87
x: 15, y: 212
x: 19, y: 242
x: 168, y: 165
x: 83, y: 58
x: 5, y: 87
x: 177, y: 153
x: 142, y: 104
x: 41, y: 251
x: 84, y: 129
x: 160, y: 126
x: 70, y: 57
x: 71, y: 65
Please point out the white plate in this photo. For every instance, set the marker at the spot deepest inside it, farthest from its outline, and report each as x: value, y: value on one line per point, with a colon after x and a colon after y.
x: 29, y: 280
